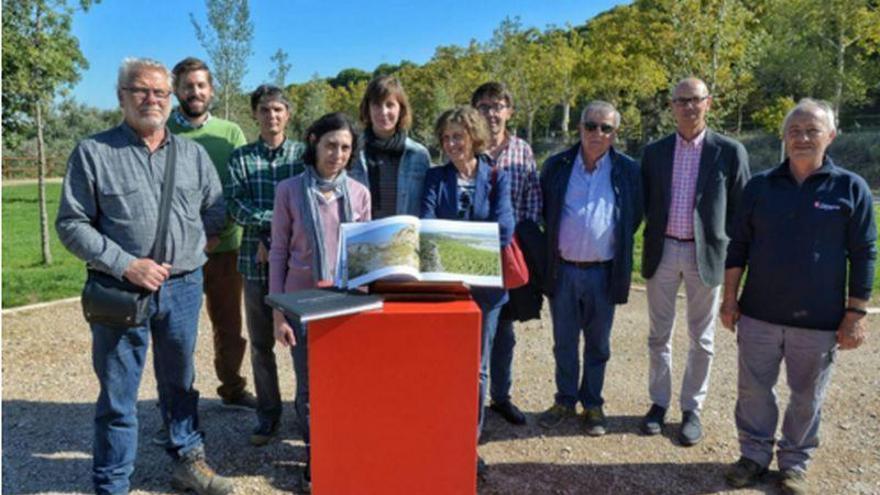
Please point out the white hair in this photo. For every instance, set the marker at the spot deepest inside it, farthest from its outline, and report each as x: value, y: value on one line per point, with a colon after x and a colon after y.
x: 132, y: 66
x: 810, y: 106
x: 602, y: 107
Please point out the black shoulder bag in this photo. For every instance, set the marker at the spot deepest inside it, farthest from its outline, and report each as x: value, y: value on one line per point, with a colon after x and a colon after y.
x: 120, y: 303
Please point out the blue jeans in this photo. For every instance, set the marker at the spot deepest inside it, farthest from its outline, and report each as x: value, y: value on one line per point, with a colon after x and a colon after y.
x: 490, y: 302
x: 300, y: 353
x: 261, y: 333
x: 118, y: 356
x: 502, y: 362
x: 581, y: 303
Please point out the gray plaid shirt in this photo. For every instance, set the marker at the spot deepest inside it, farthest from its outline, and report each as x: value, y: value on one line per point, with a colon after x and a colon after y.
x: 110, y: 201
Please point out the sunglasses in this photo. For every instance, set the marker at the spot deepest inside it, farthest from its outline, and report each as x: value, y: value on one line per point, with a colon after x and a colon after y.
x: 592, y: 126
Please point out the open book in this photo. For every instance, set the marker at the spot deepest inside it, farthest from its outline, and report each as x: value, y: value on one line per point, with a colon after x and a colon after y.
x: 405, y: 248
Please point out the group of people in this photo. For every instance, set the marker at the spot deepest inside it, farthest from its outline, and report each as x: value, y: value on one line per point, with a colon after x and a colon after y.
x: 249, y: 219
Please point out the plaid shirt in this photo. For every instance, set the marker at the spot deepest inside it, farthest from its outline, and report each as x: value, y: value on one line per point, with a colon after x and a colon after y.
x: 525, y: 189
x: 685, y: 166
x: 255, y: 170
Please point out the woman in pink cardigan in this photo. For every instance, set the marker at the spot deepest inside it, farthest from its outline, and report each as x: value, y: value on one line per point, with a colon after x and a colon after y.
x: 305, y: 235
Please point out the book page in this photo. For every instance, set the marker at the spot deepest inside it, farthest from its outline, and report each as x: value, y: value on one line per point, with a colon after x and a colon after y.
x: 386, y: 249
x: 452, y: 250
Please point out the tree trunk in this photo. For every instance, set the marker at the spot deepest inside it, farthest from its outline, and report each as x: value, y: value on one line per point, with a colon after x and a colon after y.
x: 530, y: 124
x: 566, y: 117
x: 838, y: 89
x: 41, y: 186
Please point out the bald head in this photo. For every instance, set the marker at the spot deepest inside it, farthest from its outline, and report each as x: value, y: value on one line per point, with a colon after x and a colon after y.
x: 690, y: 104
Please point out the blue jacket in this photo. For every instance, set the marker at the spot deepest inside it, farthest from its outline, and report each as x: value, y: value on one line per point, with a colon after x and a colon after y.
x: 491, y: 204
x: 414, y: 162
x: 628, y: 209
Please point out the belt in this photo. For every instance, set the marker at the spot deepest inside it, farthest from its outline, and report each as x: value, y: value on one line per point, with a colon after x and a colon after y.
x: 679, y: 239
x: 586, y: 264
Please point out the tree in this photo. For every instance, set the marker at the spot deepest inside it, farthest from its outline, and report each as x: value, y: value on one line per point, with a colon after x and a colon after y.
x: 347, y: 77
x: 520, y: 60
x: 565, y: 67
x: 831, y: 41
x: 279, y: 73
x: 227, y: 39
x: 40, y: 57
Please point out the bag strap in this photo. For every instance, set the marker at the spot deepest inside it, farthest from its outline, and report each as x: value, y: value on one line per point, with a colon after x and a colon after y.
x: 158, y: 252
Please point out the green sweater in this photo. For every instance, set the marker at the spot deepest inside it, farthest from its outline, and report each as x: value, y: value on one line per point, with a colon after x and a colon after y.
x: 219, y: 137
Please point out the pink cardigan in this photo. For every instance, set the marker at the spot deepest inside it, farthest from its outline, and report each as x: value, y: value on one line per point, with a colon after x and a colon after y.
x: 290, y: 257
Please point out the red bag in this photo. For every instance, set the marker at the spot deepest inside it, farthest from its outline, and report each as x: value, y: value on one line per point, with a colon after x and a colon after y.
x: 513, y: 263
x: 513, y: 266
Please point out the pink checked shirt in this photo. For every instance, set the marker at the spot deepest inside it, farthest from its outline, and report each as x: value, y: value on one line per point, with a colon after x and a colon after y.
x: 685, y: 166
x: 525, y: 189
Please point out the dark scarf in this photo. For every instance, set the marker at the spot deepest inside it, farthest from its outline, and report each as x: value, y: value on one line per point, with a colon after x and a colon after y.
x: 377, y: 151
x: 313, y: 186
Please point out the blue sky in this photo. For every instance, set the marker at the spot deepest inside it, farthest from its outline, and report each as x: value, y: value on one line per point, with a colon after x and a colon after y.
x: 320, y: 37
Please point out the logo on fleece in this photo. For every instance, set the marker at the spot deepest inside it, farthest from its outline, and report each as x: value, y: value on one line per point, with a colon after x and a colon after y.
x: 825, y: 206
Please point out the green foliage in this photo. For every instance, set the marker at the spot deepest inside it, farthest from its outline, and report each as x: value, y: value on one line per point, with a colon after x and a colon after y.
x: 25, y: 279
x: 771, y: 116
x: 40, y: 56
x: 227, y: 39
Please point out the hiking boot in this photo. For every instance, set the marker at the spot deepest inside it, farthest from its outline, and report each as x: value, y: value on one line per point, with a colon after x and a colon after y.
x: 305, y: 478
x: 552, y: 417
x: 509, y: 412
x: 652, y: 423
x: 244, y: 401
x: 265, y: 431
x: 161, y: 437
x: 691, y: 429
x: 595, y: 421
x: 192, y: 472
x: 793, y: 482
x: 744, y: 472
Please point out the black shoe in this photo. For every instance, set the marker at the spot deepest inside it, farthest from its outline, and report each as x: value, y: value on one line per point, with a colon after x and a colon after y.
x: 509, y: 411
x: 652, y: 423
x: 244, y: 401
x: 691, y: 430
x: 264, y: 432
x: 744, y: 472
x: 482, y: 467
x: 305, y: 478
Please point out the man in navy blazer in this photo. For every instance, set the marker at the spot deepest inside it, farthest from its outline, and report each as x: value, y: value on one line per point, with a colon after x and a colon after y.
x: 592, y: 208
x: 693, y: 180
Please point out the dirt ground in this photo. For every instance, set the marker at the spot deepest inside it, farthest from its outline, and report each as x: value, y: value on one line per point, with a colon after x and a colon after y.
x: 49, y: 391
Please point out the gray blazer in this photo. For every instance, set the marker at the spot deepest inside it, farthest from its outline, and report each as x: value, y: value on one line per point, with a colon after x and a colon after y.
x: 723, y: 173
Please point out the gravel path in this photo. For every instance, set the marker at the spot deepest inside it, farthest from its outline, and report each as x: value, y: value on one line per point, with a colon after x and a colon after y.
x: 49, y: 391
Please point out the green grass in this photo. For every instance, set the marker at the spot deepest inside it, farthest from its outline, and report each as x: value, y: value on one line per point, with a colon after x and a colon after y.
x: 25, y: 279
x: 457, y: 257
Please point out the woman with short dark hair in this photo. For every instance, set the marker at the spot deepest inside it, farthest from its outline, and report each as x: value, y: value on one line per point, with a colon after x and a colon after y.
x: 305, y: 235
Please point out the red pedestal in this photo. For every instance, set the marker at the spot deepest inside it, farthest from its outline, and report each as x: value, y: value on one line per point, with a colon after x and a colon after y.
x: 394, y: 400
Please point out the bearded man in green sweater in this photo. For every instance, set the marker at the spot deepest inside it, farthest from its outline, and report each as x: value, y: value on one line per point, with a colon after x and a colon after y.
x: 193, y: 87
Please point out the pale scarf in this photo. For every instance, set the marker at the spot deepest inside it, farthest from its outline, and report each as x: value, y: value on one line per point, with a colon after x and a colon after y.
x: 313, y: 186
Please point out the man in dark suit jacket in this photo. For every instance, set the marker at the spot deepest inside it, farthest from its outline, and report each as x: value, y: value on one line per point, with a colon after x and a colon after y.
x: 592, y: 208
x: 692, y: 180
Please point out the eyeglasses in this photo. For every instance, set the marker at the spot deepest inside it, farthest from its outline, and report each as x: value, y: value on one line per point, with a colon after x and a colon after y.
x: 486, y: 108
x: 693, y: 100
x: 142, y: 93
x: 810, y: 134
x: 592, y: 126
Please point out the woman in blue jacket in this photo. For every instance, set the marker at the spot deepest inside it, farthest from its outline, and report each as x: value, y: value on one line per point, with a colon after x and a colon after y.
x: 464, y: 189
x: 389, y: 162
